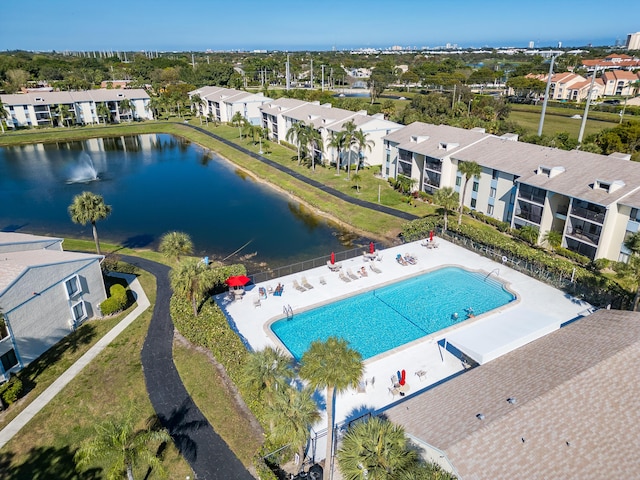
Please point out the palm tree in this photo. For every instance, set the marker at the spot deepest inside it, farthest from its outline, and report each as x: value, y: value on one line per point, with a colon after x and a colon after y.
x: 267, y: 371
x: 292, y: 415
x: 191, y: 279
x: 448, y: 199
x: 298, y: 133
x: 349, y: 131
x: 468, y: 169
x: 633, y: 243
x: 338, y: 142
x: 89, y: 207
x: 529, y: 234
x: 356, y: 179
x: 238, y: 121
x: 103, y: 111
x: 314, y: 140
x: 122, y: 448
x: 3, y: 116
x: 124, y: 106
x: 553, y: 238
x: 197, y: 103
x: 176, y: 244
x: 363, y: 144
x: 376, y: 449
x: 336, y: 367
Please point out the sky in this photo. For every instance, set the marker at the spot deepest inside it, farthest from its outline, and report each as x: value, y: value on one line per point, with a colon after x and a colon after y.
x: 198, y: 25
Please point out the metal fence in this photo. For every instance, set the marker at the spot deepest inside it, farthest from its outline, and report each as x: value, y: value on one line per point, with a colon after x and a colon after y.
x: 306, y: 265
x: 596, y: 294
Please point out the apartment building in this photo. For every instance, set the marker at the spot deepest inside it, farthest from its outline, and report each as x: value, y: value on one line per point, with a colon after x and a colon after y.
x: 38, y: 109
x: 621, y: 82
x: 45, y: 293
x: 221, y: 104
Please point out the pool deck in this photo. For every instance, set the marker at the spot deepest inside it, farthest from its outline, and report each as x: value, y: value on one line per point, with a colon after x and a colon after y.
x: 538, y: 310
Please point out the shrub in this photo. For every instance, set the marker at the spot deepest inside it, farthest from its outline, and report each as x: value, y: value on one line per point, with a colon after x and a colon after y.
x: 571, y: 255
x: 601, y: 263
x: 117, y: 300
x: 10, y: 391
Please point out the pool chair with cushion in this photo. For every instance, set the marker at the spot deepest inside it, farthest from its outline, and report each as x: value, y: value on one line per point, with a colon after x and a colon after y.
x: 374, y: 268
x: 344, y: 278
x: 306, y: 284
x: 352, y: 275
x: 401, y: 260
x: 297, y: 286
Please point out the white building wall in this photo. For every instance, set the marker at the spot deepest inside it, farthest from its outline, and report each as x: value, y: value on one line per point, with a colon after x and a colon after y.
x: 37, y: 308
x: 613, y: 232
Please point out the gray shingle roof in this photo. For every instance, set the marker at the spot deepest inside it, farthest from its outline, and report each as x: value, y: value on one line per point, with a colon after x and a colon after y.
x: 577, y: 385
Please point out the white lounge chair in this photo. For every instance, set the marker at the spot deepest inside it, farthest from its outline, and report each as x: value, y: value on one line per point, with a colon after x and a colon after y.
x: 374, y: 268
x: 298, y: 287
x: 352, y: 275
x: 322, y: 281
x: 344, y: 278
x: 334, y: 267
x: 306, y: 284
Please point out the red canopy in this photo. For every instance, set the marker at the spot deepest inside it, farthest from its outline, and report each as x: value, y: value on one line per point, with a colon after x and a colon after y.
x: 333, y: 258
x: 237, y: 281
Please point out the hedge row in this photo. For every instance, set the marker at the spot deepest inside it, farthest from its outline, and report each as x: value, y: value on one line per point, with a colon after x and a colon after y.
x: 117, y: 300
x: 10, y: 391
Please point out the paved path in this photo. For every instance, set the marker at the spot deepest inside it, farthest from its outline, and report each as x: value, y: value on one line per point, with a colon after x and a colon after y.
x: 309, y: 181
x: 208, y: 455
x: 45, y: 397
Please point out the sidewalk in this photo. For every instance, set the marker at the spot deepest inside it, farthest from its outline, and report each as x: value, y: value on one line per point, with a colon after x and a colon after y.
x: 45, y: 397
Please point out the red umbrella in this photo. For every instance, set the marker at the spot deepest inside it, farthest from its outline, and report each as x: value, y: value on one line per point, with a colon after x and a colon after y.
x: 372, y: 247
x: 431, y: 236
x: 238, y: 281
x: 333, y: 258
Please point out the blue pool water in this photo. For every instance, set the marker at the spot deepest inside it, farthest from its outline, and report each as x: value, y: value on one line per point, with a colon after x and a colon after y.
x: 383, y: 319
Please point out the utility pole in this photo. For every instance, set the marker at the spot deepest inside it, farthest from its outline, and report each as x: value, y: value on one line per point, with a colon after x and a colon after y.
x: 288, y: 83
x: 546, y: 96
x: 193, y: 61
x: 586, y: 107
x: 323, y: 78
x: 312, y: 74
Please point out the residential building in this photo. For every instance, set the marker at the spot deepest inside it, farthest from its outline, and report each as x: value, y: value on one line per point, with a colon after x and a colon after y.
x: 422, y: 152
x: 621, y: 82
x: 562, y: 406
x: 45, y: 293
x: 633, y: 41
x: 45, y: 108
x: 570, y: 86
x: 278, y: 116
x: 221, y: 104
x: 615, y: 61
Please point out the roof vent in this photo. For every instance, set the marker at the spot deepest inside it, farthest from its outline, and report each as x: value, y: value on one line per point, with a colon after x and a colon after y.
x: 419, y: 138
x: 608, y: 187
x: 480, y: 416
x: 448, y: 146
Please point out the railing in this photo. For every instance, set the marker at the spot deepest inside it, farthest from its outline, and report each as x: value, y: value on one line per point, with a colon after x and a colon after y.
x: 524, y: 195
x: 434, y: 166
x: 582, y: 235
x: 595, y: 295
x: 530, y: 217
x: 307, y: 264
x: 588, y: 214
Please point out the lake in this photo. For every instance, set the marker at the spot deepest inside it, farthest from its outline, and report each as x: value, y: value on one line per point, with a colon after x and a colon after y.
x: 158, y: 183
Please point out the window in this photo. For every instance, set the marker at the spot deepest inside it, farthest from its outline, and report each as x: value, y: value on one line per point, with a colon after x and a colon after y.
x: 4, y: 331
x: 79, y: 312
x: 475, y: 186
x: 73, y: 286
x: 492, y: 192
x: 458, y: 181
x: 9, y: 360
x: 489, y: 209
x: 473, y: 203
x: 494, y: 174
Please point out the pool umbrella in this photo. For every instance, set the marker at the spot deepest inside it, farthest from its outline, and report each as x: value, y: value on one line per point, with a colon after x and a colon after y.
x: 333, y: 258
x: 372, y: 247
x: 237, y: 281
x: 431, y: 236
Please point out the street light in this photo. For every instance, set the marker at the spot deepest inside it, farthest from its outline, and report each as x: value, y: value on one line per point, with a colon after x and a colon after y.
x: 469, y: 109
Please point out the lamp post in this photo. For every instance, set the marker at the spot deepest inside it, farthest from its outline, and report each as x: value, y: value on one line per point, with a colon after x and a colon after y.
x: 469, y: 109
x: 546, y: 95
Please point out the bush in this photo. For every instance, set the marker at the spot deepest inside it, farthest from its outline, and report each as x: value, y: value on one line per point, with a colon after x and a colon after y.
x: 116, y: 302
x: 571, y: 255
x: 10, y: 391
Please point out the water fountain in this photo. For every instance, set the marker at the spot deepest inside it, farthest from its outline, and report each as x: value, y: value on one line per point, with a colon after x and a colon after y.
x: 84, y: 171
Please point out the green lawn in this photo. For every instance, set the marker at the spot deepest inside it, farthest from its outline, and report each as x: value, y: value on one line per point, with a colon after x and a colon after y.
x: 558, y: 122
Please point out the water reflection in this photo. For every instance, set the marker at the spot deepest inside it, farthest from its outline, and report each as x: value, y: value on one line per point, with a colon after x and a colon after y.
x: 158, y: 183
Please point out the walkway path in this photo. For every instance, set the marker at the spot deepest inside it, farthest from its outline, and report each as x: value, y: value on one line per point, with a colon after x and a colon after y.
x: 309, y: 181
x: 45, y: 397
x: 208, y: 455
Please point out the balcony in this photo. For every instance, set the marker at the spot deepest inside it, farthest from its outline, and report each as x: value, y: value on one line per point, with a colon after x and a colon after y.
x: 531, y: 197
x: 588, y: 214
x: 433, y: 166
x: 579, y: 234
x: 530, y: 217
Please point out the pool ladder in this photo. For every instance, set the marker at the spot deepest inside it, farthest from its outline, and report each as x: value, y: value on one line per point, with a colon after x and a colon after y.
x: 288, y: 311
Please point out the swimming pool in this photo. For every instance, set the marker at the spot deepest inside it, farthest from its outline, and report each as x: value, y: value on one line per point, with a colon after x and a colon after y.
x: 385, y: 318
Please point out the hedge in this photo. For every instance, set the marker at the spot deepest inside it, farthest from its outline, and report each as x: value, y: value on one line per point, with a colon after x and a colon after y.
x: 117, y: 300
x: 10, y: 391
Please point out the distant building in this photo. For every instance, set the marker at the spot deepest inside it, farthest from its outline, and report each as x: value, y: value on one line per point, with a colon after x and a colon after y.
x: 45, y: 294
x: 633, y: 41
x: 531, y: 44
x: 221, y: 104
x: 43, y: 108
x: 620, y: 82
